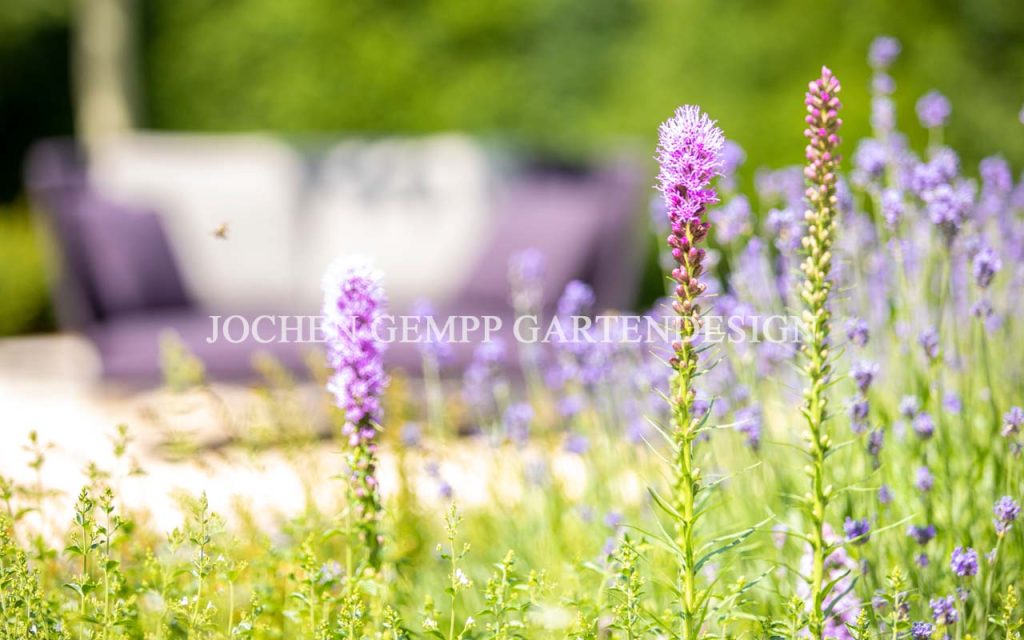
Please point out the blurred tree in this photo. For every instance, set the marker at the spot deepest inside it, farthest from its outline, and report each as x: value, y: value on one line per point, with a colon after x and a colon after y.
x: 574, y: 76
x: 104, y: 56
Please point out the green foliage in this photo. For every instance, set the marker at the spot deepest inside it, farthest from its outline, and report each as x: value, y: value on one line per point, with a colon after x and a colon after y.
x: 571, y: 76
x: 24, y: 291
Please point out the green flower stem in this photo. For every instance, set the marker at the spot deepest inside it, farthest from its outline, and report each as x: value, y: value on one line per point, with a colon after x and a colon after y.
x: 686, y: 485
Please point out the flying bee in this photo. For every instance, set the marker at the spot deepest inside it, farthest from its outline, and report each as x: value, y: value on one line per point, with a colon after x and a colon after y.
x: 221, y: 231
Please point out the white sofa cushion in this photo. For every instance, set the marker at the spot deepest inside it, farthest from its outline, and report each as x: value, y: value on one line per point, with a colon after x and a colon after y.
x: 197, y: 183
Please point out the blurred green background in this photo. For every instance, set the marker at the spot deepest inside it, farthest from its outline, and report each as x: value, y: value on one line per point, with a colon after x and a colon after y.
x: 570, y: 78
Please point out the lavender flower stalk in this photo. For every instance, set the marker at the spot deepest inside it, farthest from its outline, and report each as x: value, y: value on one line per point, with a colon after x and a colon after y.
x: 690, y: 155
x: 822, y: 163
x: 353, y: 302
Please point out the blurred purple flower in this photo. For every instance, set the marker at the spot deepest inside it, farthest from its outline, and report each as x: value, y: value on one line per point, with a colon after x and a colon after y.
x: 948, y: 206
x: 576, y: 443
x: 944, y: 610
x: 922, y: 534
x: 933, y: 109
x: 411, y: 435
x: 526, y: 279
x: 929, y: 341
x: 995, y: 175
x: 434, y: 348
x: 951, y: 403
x: 857, y: 332
x: 923, y: 425
x: 869, y: 161
x: 577, y: 299
x: 1006, y: 510
x: 733, y: 157
x: 748, y: 422
x: 875, y: 441
x: 909, y: 406
x: 1013, y: 420
x: 864, y: 373
x: 892, y: 207
x: 986, y: 265
x: 884, y: 495
x: 857, y: 531
x: 733, y: 219
x: 882, y: 84
x: 964, y: 562
x: 883, y: 114
x: 516, y: 422
x: 883, y: 51
x: 922, y: 631
x: 859, y: 410
x: 923, y: 479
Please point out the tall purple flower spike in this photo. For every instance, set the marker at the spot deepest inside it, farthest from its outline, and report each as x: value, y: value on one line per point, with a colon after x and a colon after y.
x: 690, y: 155
x: 354, y: 302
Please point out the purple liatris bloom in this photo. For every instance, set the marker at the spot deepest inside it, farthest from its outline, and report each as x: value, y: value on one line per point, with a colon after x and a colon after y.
x: 986, y: 265
x: 922, y: 534
x: 964, y: 562
x: 1006, y: 511
x: 883, y: 51
x: 689, y: 155
x: 354, y: 303
x: 944, y: 610
x: 922, y: 631
x: 864, y: 374
x: 933, y: 109
x: 923, y: 425
x: 923, y: 479
x: 857, y: 531
x: 1013, y: 420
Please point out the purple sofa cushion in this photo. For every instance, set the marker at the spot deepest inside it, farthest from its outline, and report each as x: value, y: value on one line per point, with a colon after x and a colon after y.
x: 127, y: 257
x: 566, y: 221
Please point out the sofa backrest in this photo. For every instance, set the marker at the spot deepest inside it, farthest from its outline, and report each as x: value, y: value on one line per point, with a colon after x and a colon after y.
x: 417, y: 207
